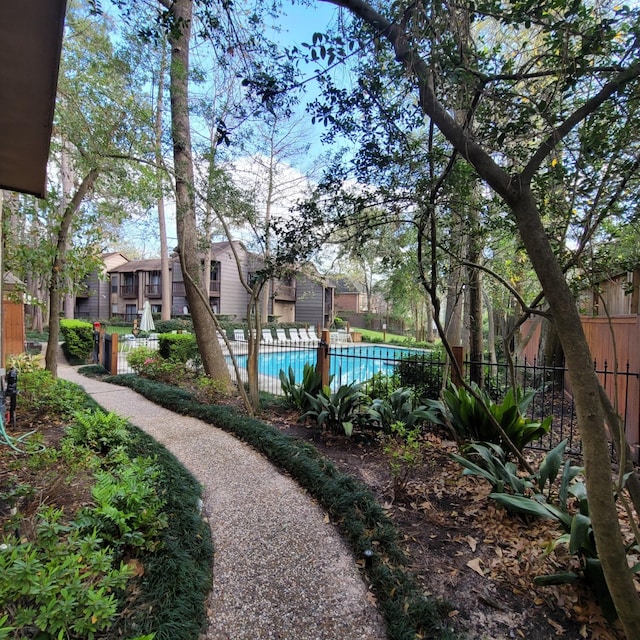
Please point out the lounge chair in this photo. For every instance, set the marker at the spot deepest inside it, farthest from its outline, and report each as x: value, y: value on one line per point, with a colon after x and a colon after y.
x: 282, y: 336
x: 267, y: 336
x: 293, y: 336
x: 309, y: 335
x: 238, y: 335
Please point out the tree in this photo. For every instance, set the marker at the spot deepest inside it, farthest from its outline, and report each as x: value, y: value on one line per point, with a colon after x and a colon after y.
x: 97, y: 125
x: 578, y: 71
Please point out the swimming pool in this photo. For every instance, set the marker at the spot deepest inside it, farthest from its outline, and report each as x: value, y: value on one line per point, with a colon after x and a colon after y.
x: 347, y: 365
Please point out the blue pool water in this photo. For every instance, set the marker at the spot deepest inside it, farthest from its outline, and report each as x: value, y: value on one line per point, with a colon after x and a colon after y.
x: 348, y: 364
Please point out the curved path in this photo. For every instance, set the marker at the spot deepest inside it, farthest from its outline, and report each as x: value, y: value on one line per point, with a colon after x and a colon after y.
x: 280, y: 571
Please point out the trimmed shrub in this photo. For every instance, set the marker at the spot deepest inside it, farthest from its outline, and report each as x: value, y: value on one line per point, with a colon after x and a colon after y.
x: 78, y: 339
x: 175, y: 324
x: 180, y: 347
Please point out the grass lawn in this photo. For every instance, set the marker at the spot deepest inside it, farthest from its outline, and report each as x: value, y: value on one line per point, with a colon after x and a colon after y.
x: 368, y: 335
x: 119, y: 330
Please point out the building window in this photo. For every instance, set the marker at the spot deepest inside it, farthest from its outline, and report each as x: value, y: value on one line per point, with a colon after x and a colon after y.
x: 114, y: 283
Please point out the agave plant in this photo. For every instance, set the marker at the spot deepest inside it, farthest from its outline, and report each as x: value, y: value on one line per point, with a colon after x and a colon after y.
x: 400, y: 407
x: 297, y: 394
x: 337, y: 411
x: 471, y: 422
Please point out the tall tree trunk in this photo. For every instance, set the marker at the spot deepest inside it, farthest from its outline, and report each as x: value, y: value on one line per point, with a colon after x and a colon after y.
x: 57, y: 271
x: 589, y: 409
x: 455, y: 295
x: 165, y: 273
x: 476, y: 342
x: 212, y: 358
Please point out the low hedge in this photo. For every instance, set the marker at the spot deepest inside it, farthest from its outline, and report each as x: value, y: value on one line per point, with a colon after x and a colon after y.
x: 408, y: 613
x: 178, y: 346
x: 78, y: 340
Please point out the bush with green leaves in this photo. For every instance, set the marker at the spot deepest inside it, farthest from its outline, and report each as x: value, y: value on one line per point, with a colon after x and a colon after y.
x: 43, y: 394
x: 423, y: 374
x: 401, y: 407
x: 338, y: 412
x: 470, y: 421
x: 297, y: 394
x: 98, y: 430
x: 63, y: 583
x: 175, y: 324
x: 128, y: 510
x: 381, y: 385
x: 209, y: 390
x: 181, y: 347
x: 24, y: 362
x: 404, y: 450
x: 148, y: 363
x: 78, y: 339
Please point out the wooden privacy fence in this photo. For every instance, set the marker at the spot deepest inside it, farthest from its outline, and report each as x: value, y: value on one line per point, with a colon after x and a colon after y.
x: 615, y: 346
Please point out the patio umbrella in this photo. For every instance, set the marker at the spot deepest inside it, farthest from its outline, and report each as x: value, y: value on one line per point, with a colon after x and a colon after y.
x: 146, y: 322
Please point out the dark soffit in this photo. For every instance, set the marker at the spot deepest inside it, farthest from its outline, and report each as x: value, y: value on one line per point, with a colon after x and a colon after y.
x: 30, y: 44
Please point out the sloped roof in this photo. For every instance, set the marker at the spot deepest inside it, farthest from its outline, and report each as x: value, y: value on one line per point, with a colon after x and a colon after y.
x: 153, y: 264
x: 344, y: 284
x: 31, y: 36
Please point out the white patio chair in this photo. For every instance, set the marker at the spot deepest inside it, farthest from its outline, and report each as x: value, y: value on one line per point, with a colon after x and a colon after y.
x: 282, y: 336
x: 309, y: 335
x: 238, y: 335
x: 267, y: 336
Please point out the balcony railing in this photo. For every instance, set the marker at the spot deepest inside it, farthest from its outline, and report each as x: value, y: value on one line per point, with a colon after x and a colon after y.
x: 178, y: 289
x: 129, y: 291
x: 154, y: 290
x: 214, y: 286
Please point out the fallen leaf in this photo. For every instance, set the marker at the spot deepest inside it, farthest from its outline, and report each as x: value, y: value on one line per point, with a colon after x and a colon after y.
x: 558, y: 627
x: 475, y: 565
x: 136, y: 566
x: 473, y: 543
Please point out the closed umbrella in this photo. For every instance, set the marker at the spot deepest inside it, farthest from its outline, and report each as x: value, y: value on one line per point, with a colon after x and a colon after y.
x: 146, y: 322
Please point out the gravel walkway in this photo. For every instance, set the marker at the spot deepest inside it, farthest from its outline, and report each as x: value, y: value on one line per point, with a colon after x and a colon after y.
x: 280, y: 571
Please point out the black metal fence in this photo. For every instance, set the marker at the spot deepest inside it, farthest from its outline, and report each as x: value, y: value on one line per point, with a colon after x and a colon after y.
x: 381, y: 367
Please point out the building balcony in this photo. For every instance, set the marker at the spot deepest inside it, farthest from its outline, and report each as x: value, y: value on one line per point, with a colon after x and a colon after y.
x: 177, y: 288
x: 154, y: 290
x: 129, y: 291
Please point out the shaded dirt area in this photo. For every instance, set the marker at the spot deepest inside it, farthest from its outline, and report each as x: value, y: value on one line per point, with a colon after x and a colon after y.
x: 26, y: 483
x: 467, y: 550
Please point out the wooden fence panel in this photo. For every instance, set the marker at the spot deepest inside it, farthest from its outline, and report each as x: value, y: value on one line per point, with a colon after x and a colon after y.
x: 618, y: 347
x: 13, y: 334
x: 612, y: 347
